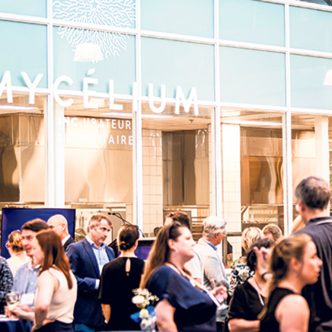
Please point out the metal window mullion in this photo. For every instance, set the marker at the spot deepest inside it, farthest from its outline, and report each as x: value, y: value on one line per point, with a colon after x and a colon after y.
x: 287, y: 135
x: 216, y: 159
x: 137, y: 131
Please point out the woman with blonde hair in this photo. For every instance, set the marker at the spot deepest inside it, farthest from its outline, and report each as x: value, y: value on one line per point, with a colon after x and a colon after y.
x: 294, y: 264
x: 17, y: 255
x: 241, y: 272
x: 184, y: 305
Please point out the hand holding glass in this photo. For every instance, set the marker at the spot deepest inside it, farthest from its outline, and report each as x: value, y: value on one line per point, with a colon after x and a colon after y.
x: 12, y: 299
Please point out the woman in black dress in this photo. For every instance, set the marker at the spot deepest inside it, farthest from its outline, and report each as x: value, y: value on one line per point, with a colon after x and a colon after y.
x: 118, y: 279
x: 249, y: 298
x: 184, y: 305
x: 294, y: 264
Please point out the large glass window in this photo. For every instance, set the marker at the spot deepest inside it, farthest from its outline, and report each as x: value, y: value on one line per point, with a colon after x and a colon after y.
x: 252, y: 172
x: 176, y: 166
x: 252, y: 21
x: 22, y: 151
x: 26, y: 7
x: 24, y: 50
x: 98, y: 161
x: 175, y: 64
x: 178, y: 16
x: 311, y: 82
x: 110, y: 56
x: 254, y: 77
x: 310, y: 29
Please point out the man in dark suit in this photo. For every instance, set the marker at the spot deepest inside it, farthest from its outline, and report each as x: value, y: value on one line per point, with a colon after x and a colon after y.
x: 60, y: 226
x: 87, y: 258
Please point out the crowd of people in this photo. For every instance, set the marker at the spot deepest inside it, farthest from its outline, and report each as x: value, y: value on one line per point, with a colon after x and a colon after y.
x: 280, y: 283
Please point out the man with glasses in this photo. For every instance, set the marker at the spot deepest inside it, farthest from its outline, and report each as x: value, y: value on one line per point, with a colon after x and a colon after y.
x: 87, y: 258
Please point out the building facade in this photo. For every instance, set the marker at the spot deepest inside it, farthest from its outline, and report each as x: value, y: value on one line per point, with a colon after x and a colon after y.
x: 143, y: 106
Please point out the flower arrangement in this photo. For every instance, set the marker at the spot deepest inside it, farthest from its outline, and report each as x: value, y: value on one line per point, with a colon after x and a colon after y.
x: 144, y: 300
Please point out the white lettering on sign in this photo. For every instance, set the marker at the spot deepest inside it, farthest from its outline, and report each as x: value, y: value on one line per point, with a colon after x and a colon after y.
x: 6, y: 84
x: 31, y: 85
x: 89, y: 94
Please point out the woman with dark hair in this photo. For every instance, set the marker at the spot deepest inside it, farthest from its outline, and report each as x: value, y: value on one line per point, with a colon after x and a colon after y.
x: 56, y: 286
x: 249, y: 298
x: 294, y: 264
x: 118, y: 279
x: 184, y: 305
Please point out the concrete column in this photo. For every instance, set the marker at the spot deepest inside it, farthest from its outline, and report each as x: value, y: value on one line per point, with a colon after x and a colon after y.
x: 322, y: 147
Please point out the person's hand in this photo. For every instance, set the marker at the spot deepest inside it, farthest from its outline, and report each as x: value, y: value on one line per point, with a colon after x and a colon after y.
x: 262, y: 259
x: 22, y: 311
x: 220, y: 293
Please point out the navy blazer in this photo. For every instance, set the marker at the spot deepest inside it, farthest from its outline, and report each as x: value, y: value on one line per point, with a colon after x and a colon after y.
x: 85, y: 268
x: 67, y: 243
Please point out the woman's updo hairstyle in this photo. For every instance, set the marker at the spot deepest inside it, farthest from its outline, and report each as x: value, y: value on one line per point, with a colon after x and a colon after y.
x: 127, y: 236
x: 15, y: 241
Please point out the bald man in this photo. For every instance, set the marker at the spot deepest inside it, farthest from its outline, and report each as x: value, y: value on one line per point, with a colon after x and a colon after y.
x: 60, y: 226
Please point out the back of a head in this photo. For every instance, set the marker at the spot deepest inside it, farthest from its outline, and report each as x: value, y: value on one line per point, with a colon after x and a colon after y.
x: 180, y: 217
x: 127, y: 237
x: 15, y: 241
x: 35, y: 225
x: 212, y: 224
x: 274, y: 230
x: 58, y: 219
x: 250, y: 236
x: 314, y: 192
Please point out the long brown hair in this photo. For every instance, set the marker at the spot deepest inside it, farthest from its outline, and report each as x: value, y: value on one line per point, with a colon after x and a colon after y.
x: 160, y: 251
x: 292, y: 246
x: 54, y: 254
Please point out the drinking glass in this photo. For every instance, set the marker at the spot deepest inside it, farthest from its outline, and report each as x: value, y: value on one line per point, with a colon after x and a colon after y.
x: 12, y: 299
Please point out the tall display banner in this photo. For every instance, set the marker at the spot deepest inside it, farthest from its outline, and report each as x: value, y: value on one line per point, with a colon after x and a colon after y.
x: 14, y: 218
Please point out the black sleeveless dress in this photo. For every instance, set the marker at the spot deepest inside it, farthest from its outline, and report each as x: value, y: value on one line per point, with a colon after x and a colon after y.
x: 269, y: 322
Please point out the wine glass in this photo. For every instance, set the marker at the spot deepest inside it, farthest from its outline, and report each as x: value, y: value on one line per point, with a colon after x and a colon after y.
x: 12, y: 299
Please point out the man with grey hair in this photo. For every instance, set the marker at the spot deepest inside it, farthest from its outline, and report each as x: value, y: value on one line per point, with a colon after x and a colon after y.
x: 207, y: 265
x: 59, y: 224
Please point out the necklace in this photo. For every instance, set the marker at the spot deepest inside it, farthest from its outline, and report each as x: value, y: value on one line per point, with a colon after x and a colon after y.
x: 259, y: 291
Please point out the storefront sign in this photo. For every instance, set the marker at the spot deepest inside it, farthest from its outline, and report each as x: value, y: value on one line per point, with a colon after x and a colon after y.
x: 89, y: 94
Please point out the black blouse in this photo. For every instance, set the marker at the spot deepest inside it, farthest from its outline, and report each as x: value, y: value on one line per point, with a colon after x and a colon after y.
x: 245, y: 303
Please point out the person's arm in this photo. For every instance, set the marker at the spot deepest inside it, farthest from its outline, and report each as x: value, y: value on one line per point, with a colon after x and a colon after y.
x: 86, y: 284
x: 6, y: 279
x: 22, y: 311
x: 106, y: 309
x: 47, y: 284
x: 243, y: 325
x: 194, y: 266
x: 213, y: 271
x: 292, y: 313
x: 165, y: 317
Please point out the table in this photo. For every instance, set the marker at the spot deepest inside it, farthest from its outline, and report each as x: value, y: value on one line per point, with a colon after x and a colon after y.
x: 14, y: 325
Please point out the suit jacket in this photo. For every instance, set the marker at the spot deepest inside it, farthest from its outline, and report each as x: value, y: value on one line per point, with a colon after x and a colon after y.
x: 68, y: 242
x: 85, y: 268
